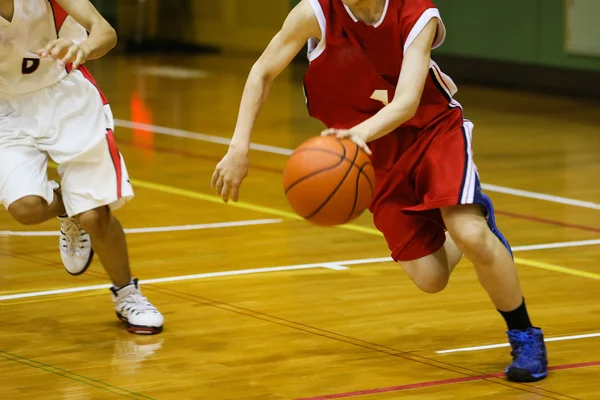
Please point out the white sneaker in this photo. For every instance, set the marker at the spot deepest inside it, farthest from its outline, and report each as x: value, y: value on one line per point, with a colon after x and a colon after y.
x: 75, y: 246
x: 136, y: 311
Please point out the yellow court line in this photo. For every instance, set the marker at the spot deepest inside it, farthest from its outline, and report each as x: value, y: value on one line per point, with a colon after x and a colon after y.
x: 352, y: 227
x: 558, y: 268
x: 240, y: 204
x: 357, y: 228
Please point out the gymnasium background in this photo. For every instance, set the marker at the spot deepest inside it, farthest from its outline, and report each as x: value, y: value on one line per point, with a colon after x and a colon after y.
x: 551, y: 45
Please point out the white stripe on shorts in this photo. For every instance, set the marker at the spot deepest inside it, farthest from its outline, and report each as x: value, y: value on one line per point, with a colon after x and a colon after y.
x: 468, y: 189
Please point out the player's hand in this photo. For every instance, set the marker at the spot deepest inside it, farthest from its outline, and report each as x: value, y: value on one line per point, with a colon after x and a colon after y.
x: 356, y: 137
x: 229, y: 174
x: 65, y: 51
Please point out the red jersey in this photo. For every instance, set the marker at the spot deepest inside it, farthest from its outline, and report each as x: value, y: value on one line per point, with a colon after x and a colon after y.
x: 423, y: 165
x: 355, y: 67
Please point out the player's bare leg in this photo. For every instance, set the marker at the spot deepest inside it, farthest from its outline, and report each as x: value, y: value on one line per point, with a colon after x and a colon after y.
x: 477, y: 236
x: 110, y: 244
x: 432, y: 273
x: 453, y: 253
x: 33, y: 210
x: 74, y: 243
x: 471, y: 233
x: 494, y: 265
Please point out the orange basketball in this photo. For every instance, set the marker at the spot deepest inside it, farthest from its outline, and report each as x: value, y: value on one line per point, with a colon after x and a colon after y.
x: 329, y: 181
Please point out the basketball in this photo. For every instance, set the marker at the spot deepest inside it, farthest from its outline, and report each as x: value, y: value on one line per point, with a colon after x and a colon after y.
x: 329, y: 181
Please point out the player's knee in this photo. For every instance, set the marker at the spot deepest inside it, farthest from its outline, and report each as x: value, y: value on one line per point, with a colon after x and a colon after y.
x: 95, y: 222
x: 27, y: 210
x: 473, y: 238
x: 431, y: 283
x: 430, y: 273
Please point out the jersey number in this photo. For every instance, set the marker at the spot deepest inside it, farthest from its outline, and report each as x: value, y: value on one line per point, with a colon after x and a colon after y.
x: 30, y: 65
x: 382, y: 96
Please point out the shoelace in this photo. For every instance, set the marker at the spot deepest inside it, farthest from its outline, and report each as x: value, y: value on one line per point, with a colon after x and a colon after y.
x: 136, y: 302
x: 526, y: 345
x: 73, y: 235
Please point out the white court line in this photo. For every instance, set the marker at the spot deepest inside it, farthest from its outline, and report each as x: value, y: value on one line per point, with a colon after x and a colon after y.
x: 558, y: 245
x: 177, y: 228
x: 286, y: 152
x: 198, y: 136
x: 327, y: 265
x: 495, y: 346
x: 541, y: 246
x: 173, y: 72
x: 541, y: 196
x: 334, y: 265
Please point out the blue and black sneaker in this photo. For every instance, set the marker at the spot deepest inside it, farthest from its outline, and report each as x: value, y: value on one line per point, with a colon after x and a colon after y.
x: 530, y: 361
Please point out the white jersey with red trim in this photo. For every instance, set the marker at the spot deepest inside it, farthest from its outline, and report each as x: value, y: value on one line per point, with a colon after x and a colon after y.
x: 35, y: 23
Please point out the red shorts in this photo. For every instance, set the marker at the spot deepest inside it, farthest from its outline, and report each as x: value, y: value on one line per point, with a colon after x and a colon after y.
x: 418, y: 171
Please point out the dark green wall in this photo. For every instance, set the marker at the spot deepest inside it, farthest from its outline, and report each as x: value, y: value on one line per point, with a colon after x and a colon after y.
x: 523, y: 31
x: 108, y: 9
x: 526, y: 31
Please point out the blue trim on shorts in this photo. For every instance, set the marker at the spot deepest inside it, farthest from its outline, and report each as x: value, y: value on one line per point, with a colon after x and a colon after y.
x: 483, y: 200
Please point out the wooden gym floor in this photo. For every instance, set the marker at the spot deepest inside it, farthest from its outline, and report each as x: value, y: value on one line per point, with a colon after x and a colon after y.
x: 260, y: 305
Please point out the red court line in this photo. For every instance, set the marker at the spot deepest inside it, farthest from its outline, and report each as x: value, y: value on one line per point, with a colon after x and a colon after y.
x: 548, y: 221
x: 177, y: 152
x: 442, y: 382
x: 343, y: 338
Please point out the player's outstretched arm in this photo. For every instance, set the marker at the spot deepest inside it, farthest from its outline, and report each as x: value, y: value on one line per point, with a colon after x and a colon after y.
x: 409, y: 90
x: 102, y: 37
x: 300, y: 25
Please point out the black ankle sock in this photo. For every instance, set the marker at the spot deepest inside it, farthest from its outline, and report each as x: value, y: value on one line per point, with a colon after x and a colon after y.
x: 518, y: 318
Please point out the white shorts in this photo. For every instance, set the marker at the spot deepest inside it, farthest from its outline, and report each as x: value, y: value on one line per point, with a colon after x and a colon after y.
x: 71, y: 123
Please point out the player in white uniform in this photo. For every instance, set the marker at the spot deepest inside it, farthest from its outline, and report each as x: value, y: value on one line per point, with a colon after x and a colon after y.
x: 50, y: 107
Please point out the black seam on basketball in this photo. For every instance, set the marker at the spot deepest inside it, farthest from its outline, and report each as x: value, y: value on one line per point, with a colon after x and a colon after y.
x: 325, y: 151
x: 343, y: 157
x: 355, y: 198
x: 336, y: 188
x: 362, y: 171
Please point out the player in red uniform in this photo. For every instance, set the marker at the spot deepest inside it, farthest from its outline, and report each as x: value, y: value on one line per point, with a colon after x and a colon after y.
x: 371, y: 78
